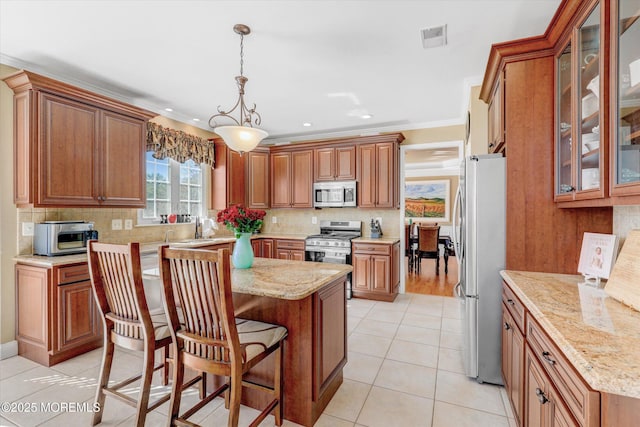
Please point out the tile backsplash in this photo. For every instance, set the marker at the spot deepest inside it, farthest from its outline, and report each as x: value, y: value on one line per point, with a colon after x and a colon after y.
x: 625, y: 219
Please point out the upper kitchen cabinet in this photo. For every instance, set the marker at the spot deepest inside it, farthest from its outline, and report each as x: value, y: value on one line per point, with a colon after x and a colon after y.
x: 378, y: 173
x: 334, y: 163
x: 625, y: 97
x: 75, y: 148
x: 227, y: 177
x: 582, y: 162
x: 291, y: 178
x: 258, y: 178
x: 497, y: 137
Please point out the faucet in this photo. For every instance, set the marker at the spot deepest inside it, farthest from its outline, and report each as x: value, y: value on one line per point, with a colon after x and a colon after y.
x: 198, y: 234
x: 166, y: 235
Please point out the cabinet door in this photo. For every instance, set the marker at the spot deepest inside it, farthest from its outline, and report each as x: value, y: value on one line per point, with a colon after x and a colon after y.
x: 560, y: 415
x: 256, y: 245
x: 297, y: 255
x: 361, y: 272
x: 32, y: 308
x: 69, y: 168
x: 496, y: 115
x: 76, y: 315
x: 258, y: 180
x: 380, y: 274
x: 367, y: 176
x: 625, y: 101
x: 267, y: 248
x: 302, y: 175
x: 324, y: 167
x: 281, y: 180
x: 536, y: 399
x: 386, y: 175
x: 564, y: 152
x: 395, y: 267
x: 235, y: 179
x: 345, y: 163
x: 516, y: 357
x: 122, y: 160
x: 507, y: 334
x: 283, y: 254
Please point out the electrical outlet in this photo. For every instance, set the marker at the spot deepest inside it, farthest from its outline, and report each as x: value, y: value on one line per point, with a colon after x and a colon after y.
x: 314, y: 220
x: 274, y: 219
x: 116, y: 224
x: 27, y: 228
x: 128, y: 224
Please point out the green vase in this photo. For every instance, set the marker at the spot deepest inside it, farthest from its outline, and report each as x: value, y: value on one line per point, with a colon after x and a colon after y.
x: 242, y: 256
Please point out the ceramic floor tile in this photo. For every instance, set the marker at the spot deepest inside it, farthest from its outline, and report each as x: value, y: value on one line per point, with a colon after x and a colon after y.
x: 14, y: 366
x: 357, y: 311
x: 452, y: 309
x: 512, y: 422
x: 422, y: 320
x: 506, y: 403
x: 446, y: 415
x: 452, y: 325
x: 451, y: 340
x: 398, y: 305
x: 114, y: 413
x: 450, y: 360
x: 458, y: 389
x: 28, y: 382
x: 368, y: 344
x: 384, y: 315
x: 418, y: 335
x: 80, y: 363
x: 361, y: 367
x: 384, y: 408
x: 329, y: 421
x: 429, y: 309
x: 348, y: 400
x: 407, y: 378
x: 6, y: 423
x: 352, y: 323
x: 414, y: 353
x: 373, y: 327
x: 220, y: 416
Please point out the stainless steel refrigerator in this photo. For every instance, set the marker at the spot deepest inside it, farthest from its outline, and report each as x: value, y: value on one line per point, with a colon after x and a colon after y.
x: 479, y: 239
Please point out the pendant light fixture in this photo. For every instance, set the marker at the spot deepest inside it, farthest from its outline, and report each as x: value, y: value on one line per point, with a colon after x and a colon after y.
x: 242, y: 136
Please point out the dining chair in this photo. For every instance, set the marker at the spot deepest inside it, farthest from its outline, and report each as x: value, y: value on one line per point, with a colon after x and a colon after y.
x: 116, y: 279
x: 428, y: 245
x: 197, y: 288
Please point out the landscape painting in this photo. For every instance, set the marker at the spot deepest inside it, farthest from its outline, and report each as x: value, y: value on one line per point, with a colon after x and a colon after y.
x: 427, y: 200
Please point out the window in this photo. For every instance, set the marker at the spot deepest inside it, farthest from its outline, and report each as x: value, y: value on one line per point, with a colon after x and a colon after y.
x: 172, y: 187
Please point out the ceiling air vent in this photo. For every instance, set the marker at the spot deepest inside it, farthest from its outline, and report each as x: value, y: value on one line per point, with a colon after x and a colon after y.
x: 434, y: 37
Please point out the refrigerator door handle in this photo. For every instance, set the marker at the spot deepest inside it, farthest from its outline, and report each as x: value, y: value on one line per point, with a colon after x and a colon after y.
x: 456, y: 219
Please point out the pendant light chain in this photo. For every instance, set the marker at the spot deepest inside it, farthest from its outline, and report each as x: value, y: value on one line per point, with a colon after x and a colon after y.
x: 242, y: 54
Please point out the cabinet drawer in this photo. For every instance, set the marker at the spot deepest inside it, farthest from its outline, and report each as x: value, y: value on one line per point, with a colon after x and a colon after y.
x: 372, y: 248
x: 583, y: 403
x: 72, y: 273
x: 290, y: 244
x: 514, y: 306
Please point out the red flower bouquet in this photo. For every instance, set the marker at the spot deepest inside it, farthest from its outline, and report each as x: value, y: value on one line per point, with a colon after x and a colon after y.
x: 239, y: 219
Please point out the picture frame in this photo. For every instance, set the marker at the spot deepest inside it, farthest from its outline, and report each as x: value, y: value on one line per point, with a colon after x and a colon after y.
x: 427, y: 200
x: 597, y: 255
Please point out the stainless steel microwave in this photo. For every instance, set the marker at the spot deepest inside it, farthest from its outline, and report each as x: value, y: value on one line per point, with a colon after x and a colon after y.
x: 334, y: 194
x: 53, y: 238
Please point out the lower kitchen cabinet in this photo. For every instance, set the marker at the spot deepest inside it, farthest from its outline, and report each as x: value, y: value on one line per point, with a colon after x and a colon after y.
x: 262, y: 248
x: 289, y: 249
x: 57, y: 317
x: 375, y: 270
x: 512, y: 362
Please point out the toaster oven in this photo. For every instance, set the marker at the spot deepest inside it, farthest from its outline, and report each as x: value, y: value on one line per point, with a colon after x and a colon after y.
x: 53, y: 238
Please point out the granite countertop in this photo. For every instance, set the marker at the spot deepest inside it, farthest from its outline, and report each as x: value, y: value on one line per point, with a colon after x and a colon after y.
x: 266, y: 278
x: 598, y: 335
x: 385, y: 240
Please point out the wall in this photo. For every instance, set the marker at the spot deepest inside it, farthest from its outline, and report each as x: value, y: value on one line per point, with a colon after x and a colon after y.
x: 625, y: 219
x: 453, y: 186
x: 441, y: 134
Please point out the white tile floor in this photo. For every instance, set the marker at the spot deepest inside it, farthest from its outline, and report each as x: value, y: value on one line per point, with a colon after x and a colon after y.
x: 405, y: 369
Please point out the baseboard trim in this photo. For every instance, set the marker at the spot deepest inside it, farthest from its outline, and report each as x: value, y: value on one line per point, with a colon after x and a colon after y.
x: 8, y: 349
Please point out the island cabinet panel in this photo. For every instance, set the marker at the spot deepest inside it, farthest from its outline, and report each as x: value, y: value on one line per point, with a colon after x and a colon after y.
x: 258, y: 179
x: 374, y: 270
x: 314, y: 351
x: 57, y: 317
x: 334, y: 163
x: 75, y: 148
x: 227, y: 178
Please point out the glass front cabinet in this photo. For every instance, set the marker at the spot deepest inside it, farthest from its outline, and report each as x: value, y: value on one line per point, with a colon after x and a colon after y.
x: 581, y: 159
x: 625, y: 97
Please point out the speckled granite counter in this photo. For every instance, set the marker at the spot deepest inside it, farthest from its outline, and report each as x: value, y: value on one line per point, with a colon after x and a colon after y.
x: 385, y: 240
x: 598, y: 335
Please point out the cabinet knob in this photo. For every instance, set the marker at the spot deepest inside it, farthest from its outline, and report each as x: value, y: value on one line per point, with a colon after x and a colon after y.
x: 506, y: 326
x: 547, y: 358
x: 510, y: 301
x: 541, y: 397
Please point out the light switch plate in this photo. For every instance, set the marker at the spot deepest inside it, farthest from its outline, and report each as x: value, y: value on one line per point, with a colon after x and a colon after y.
x: 128, y: 224
x: 27, y: 228
x: 116, y: 224
x: 274, y: 219
x: 314, y: 220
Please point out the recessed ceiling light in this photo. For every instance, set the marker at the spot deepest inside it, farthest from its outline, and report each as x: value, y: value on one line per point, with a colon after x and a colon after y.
x: 366, y: 116
x: 306, y: 124
x: 196, y: 120
x: 168, y: 109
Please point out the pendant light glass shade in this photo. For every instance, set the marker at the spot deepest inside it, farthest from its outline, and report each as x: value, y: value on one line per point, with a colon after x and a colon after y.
x: 241, y: 138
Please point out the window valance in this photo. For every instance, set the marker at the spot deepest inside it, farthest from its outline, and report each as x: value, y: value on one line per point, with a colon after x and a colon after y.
x: 178, y: 145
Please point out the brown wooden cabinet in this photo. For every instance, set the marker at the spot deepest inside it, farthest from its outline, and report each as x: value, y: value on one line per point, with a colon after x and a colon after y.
x: 375, y: 270
x: 57, y: 317
x: 497, y: 137
x: 289, y: 249
x: 513, y: 363
x: 334, y: 163
x: 227, y: 177
x: 75, y: 148
x: 262, y: 247
x: 258, y: 178
x: 292, y: 179
x: 378, y: 176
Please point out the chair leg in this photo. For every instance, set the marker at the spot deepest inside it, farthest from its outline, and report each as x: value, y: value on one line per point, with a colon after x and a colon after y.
x: 234, y: 404
x: 105, y: 371
x: 203, y: 385
x: 176, y: 387
x: 277, y: 384
x: 437, y: 265
x: 165, y: 368
x: 145, y: 385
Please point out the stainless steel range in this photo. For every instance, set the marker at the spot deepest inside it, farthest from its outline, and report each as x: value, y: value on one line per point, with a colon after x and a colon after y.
x: 333, y: 244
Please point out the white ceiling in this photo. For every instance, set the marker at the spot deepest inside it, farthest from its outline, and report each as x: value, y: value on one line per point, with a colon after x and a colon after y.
x: 324, y: 62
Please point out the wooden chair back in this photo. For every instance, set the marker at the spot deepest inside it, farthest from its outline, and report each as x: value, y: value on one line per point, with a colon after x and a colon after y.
x: 428, y: 238
x: 197, y: 290
x: 116, y: 278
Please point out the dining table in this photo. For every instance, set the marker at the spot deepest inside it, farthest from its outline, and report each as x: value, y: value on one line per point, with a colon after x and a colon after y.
x: 414, y: 252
